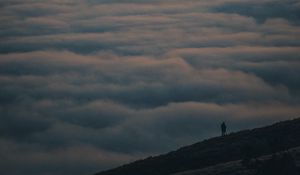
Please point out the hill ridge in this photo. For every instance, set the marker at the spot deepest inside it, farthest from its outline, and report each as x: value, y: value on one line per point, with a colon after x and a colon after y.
x: 234, y: 146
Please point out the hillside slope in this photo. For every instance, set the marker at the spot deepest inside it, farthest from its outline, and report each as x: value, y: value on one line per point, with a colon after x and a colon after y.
x: 235, y: 146
x: 237, y: 167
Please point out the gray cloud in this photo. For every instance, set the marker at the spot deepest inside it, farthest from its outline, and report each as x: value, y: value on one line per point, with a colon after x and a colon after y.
x: 262, y: 10
x: 138, y: 81
x: 18, y: 158
x: 89, y: 85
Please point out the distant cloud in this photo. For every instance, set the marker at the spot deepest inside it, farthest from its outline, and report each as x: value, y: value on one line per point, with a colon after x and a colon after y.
x: 90, y: 85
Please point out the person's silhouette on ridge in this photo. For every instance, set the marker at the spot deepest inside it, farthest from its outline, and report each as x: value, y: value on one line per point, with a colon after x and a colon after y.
x: 223, y: 128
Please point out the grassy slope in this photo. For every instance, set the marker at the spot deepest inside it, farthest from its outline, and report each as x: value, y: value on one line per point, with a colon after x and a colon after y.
x: 209, y: 152
x: 237, y: 168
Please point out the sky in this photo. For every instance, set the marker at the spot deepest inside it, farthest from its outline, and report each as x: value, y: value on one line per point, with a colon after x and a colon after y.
x: 88, y: 85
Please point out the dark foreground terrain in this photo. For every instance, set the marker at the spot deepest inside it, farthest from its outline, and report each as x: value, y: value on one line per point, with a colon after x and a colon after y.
x: 268, y: 150
x: 280, y: 163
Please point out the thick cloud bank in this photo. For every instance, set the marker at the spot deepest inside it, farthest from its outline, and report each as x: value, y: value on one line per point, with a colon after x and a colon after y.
x: 87, y: 85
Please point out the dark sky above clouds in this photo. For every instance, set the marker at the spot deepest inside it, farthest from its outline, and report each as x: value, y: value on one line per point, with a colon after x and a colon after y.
x: 87, y: 85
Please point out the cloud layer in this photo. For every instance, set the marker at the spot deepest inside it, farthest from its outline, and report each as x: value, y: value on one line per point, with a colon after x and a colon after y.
x: 90, y: 85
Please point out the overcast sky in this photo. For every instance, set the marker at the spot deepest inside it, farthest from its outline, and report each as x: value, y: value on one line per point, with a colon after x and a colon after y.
x: 87, y: 85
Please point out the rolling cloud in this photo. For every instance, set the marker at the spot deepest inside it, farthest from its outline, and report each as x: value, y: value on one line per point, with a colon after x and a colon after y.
x: 90, y: 85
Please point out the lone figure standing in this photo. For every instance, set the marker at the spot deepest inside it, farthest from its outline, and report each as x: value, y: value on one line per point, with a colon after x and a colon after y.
x: 223, y: 128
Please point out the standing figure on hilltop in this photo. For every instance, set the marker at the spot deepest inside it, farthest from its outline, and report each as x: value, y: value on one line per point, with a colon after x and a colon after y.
x: 223, y: 128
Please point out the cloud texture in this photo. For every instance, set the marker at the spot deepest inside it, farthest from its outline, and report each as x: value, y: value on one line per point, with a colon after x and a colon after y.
x: 90, y: 85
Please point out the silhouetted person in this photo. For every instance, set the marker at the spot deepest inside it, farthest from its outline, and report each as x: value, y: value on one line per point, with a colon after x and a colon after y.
x: 223, y: 128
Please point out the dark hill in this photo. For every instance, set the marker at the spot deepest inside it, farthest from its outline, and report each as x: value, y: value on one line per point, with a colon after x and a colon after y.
x: 235, y: 146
